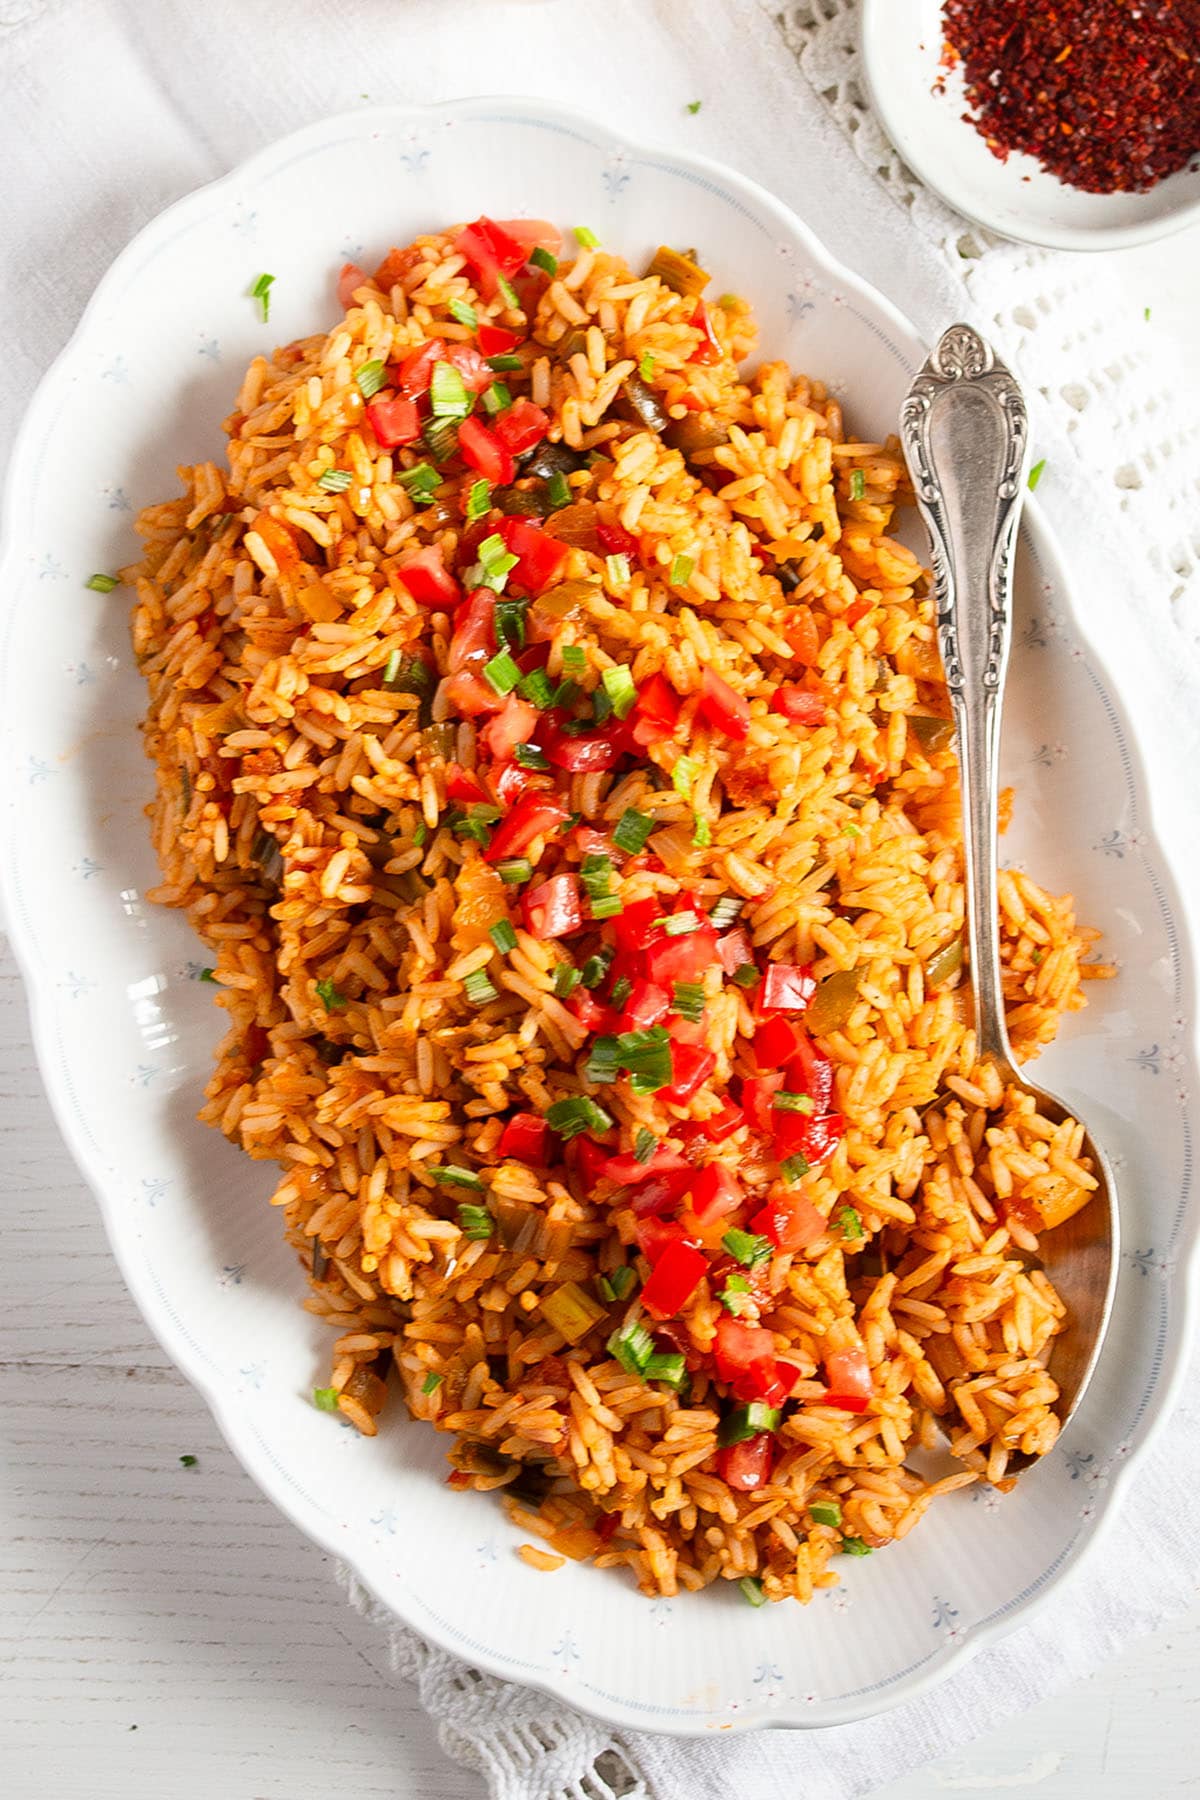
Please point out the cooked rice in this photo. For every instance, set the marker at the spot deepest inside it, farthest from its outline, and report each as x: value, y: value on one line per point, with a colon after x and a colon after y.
x: 292, y: 786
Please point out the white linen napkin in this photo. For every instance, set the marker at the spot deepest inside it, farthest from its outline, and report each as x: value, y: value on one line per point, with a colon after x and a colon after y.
x: 113, y: 108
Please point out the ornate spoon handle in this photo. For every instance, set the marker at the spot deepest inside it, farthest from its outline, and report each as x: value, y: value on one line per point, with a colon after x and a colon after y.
x: 965, y: 433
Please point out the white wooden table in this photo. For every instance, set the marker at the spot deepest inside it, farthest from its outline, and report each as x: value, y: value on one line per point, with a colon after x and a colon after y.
x: 164, y: 1630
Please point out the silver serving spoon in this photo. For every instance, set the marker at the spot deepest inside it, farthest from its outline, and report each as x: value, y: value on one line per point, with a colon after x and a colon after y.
x: 965, y: 434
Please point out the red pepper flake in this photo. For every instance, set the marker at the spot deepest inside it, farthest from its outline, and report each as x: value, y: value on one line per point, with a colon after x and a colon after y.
x: 1105, y: 96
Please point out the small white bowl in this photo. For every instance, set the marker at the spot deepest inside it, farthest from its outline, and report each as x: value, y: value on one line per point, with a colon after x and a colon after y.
x: 921, y: 105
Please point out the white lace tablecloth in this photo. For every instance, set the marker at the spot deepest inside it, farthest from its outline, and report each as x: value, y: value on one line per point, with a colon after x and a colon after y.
x: 112, y: 108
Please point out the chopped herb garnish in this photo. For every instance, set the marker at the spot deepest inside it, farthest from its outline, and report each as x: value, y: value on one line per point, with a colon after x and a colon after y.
x: 668, y: 1366
x: 454, y: 1175
x: 736, y: 1297
x: 566, y: 980
x: 538, y: 688
x: 431, y: 1383
x: 566, y: 694
x: 747, y: 1247
x: 502, y: 672
x: 207, y: 975
x: 854, y: 1546
x: 646, y: 365
x: 618, y: 685
x: 528, y: 756
x: 858, y: 484
x: 632, y: 829
x: 752, y: 1590
x: 848, y: 1221
x: 747, y: 1421
x: 261, y: 291
x: 325, y: 1399
x: 509, y: 621
x: 683, y: 775
x: 644, y: 1055
x: 825, y: 1512
x: 693, y: 106
x: 681, y: 924
x: 786, y: 1101
x: 558, y: 491
x: 420, y: 483
x: 1146, y: 314
x: 726, y: 912
x: 681, y: 571
x: 420, y: 834
x: 601, y: 709
x: 596, y: 873
x: 746, y: 975
x: 596, y: 967
x: 497, y: 398
x: 508, y: 293
x: 688, y: 1000
x: 448, y: 396
x: 1035, y: 475
x: 370, y: 378
x: 643, y: 1145
x: 335, y: 481
x: 479, y: 500
x: 618, y: 570
x: 515, y: 870
x: 621, y: 991
x: 503, y: 936
x: 852, y: 831
x: 586, y: 239
x: 101, y: 584
x: 701, y: 831
x: 794, y: 1167
x: 441, y: 438
x: 189, y: 1462
x: 332, y: 1000
x: 478, y: 988
x: 476, y: 823
x: 621, y: 1281
x: 411, y: 677
x: 464, y: 312
x: 540, y: 258
x: 504, y: 365
x: 476, y: 1222
x: 580, y: 1113
x: 632, y: 1346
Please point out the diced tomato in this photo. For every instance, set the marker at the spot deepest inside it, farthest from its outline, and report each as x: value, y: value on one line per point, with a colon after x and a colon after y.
x: 539, y: 556
x: 783, y: 1379
x: 588, y: 1010
x: 673, y: 1280
x: 811, y: 1071
x: 484, y: 451
x: 800, y: 630
x: 416, y: 371
x: 627, y: 1171
x: 747, y: 1465
x: 350, y: 277
x: 791, y: 1222
x: 530, y: 233
x: 474, y: 631
x: 854, y: 1403
x: 280, y: 540
x: 662, y: 1192
x: 687, y: 1031
x: 590, y: 842
x: 656, y: 1235
x: 724, y: 709
x: 509, y: 781
x: 681, y: 958
x: 532, y: 817
x: 634, y: 928
x: 857, y: 610
x: 582, y: 754
x: 849, y: 1372
x: 514, y: 724
x: 646, y: 1005
x: 724, y: 1123
x: 553, y: 909
x: 745, y: 1354
x: 734, y: 949
x: 525, y: 1137
x: 798, y: 705
x: 494, y: 340
x: 815, y: 1138
x: 428, y: 580
x: 757, y: 1092
x: 715, y: 1194
x: 786, y: 987
x: 394, y: 421
x: 655, y: 713
x: 492, y: 252
x: 615, y: 540
x: 470, y: 697
x: 465, y: 786
x: 690, y: 1069
x: 471, y: 366
x: 589, y: 1157
x: 775, y: 1042
x: 708, y: 350
x: 396, y: 265
x: 521, y: 425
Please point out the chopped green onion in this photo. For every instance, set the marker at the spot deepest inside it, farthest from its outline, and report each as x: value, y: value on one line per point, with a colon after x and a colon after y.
x: 746, y: 1422
x: 632, y: 829
x: 528, y: 756
x: 596, y: 874
x: 370, y: 378
x: 571, y: 1311
x: 726, y: 912
x: 497, y: 398
x: 558, y: 490
x: 504, y: 365
x: 621, y: 1280
x: 565, y: 695
x: 601, y: 708
x: 752, y: 1590
x: 574, y: 658
x: 620, y: 993
x: 503, y: 936
x: 331, y: 999
x: 454, y: 1175
x: 420, y: 483
x: 476, y: 823
x: 1035, y: 475
x: 1146, y: 314
x: 541, y: 259
x: 441, y: 438
x: 632, y: 1346
x: 538, y: 688
x: 502, y: 672
x: 794, y: 1167
x: 448, y: 396
x: 747, y: 1247
x: 746, y: 975
x: 681, y: 571
x: 854, y: 1546
x: 509, y: 621
x: 508, y: 293
x: 618, y: 570
x: 646, y: 366
x: 464, y: 312
x: 852, y: 831
x: 479, y: 500
x: 514, y: 870
x: 420, y: 834
x: 701, y: 831
x: 335, y: 481
x: 208, y: 975
x: 261, y: 291
x: 693, y: 106
x: 681, y: 924
x: 412, y: 677
x: 858, y: 484
x: 643, y: 1145
x: 580, y: 1113
x: 189, y: 1462
x: 683, y: 775
x: 604, y: 1061
x: 101, y: 584
x: 825, y: 1512
x: 618, y: 685
x: 688, y: 1000
x: 476, y: 1222
x: 325, y: 1399
x: 736, y: 1297
x: 566, y: 980
x: 478, y: 988
x: 667, y: 1366
x: 587, y: 240
x: 849, y: 1222
x: 787, y: 1101
x: 431, y: 1383
x: 596, y: 967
